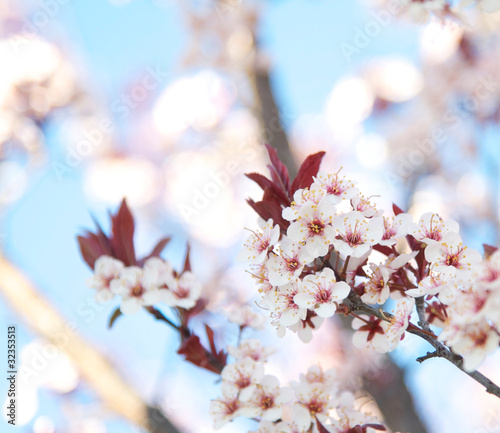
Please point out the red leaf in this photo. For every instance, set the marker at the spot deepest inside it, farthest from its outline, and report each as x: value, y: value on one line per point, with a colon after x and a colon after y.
x: 375, y: 427
x: 279, y: 172
x: 187, y: 262
x: 267, y: 184
x: 321, y: 427
x: 122, y: 240
x: 397, y: 210
x: 489, y: 249
x: 157, y: 250
x: 308, y: 169
x: 91, y: 248
x: 384, y: 249
x: 414, y: 245
x: 196, y: 354
x: 210, y: 335
x: 193, y: 351
x: 267, y: 209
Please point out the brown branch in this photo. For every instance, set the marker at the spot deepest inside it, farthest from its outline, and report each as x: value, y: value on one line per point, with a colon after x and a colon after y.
x: 270, y: 118
x: 97, y: 371
x: 355, y: 304
x: 422, y: 321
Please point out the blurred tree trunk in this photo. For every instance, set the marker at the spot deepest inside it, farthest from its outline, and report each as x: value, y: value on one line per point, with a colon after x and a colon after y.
x: 94, y: 368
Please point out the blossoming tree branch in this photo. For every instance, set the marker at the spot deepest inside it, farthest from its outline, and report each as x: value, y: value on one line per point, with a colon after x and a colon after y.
x: 321, y: 248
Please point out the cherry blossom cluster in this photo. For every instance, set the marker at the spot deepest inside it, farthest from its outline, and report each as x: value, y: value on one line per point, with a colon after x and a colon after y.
x: 420, y: 10
x: 314, y: 402
x: 154, y: 283
x: 462, y: 290
x: 323, y: 254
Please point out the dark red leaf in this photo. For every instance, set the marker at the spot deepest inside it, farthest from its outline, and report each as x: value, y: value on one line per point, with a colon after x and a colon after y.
x: 267, y: 209
x: 279, y: 172
x: 187, y: 262
x: 489, y: 249
x: 397, y: 210
x: 267, y: 184
x: 117, y: 313
x: 414, y: 244
x: 384, y: 249
x: 308, y: 169
x: 321, y: 427
x: 210, y: 335
x: 195, y: 353
x: 375, y: 427
x: 122, y: 240
x: 92, y: 248
x: 157, y: 250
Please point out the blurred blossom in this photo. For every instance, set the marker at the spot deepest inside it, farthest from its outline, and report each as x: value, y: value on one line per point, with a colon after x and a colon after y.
x: 349, y: 103
x: 32, y: 59
x: 44, y: 365
x: 110, y: 179
x: 311, y: 133
x: 472, y: 190
x: 91, y: 425
x: 199, y: 101
x: 371, y: 150
x: 13, y: 182
x: 439, y: 41
x: 43, y: 424
x: 427, y: 201
x: 394, y: 79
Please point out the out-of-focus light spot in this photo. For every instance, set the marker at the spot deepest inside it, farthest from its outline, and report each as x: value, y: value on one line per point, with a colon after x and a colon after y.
x: 200, y: 200
x: 427, y: 201
x: 439, y: 41
x: 371, y: 150
x: 349, y: 103
x: 199, y: 101
x: 47, y: 366
x: 43, y: 424
x: 111, y: 179
x: 92, y: 425
x: 472, y: 189
x: 394, y: 79
x: 13, y: 181
x: 29, y: 59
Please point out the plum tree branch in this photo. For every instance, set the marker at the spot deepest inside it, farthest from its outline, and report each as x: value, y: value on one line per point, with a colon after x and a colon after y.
x: 97, y: 371
x: 354, y: 303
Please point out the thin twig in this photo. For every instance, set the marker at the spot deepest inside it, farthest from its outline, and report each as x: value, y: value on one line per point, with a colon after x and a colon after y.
x: 422, y: 321
x: 355, y: 304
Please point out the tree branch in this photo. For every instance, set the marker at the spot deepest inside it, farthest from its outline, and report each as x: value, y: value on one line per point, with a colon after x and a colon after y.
x: 355, y: 304
x: 97, y: 371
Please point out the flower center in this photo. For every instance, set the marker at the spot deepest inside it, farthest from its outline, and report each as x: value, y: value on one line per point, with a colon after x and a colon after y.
x: 316, y: 226
x: 353, y: 238
x: 182, y: 292
x: 452, y: 260
x: 323, y: 295
x: 137, y: 291
x: 267, y: 402
x: 315, y: 406
x: 292, y: 264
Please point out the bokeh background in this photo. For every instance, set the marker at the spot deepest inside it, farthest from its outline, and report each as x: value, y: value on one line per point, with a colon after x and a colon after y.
x: 168, y: 103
